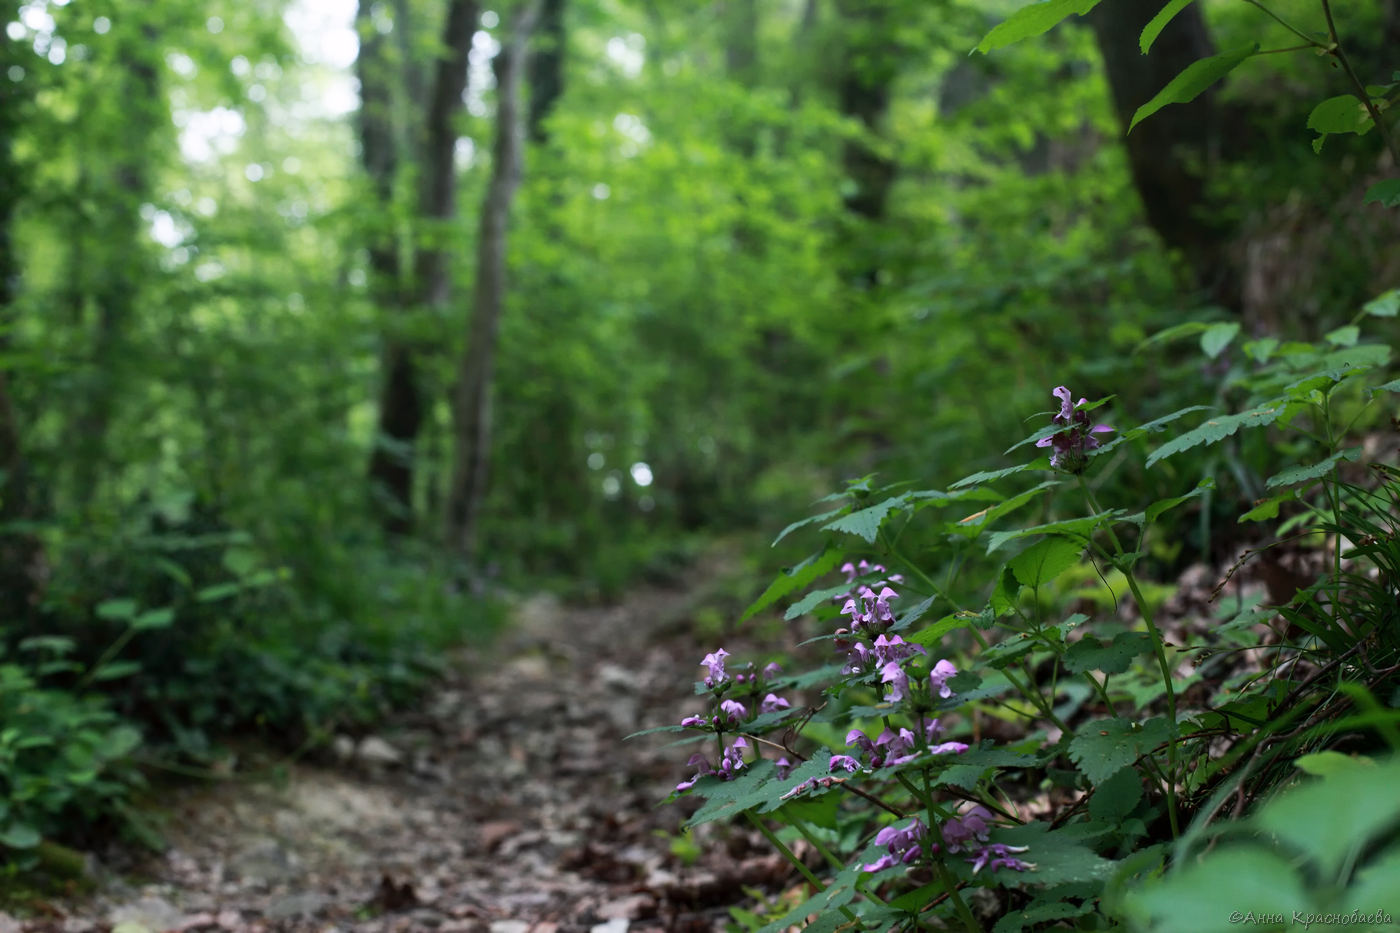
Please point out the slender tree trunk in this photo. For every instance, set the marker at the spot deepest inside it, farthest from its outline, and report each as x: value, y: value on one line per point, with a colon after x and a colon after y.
x: 546, y: 68
x: 863, y: 92
x: 21, y: 554
x: 125, y: 184
x: 472, y: 399
x: 402, y: 406
x: 1170, y: 153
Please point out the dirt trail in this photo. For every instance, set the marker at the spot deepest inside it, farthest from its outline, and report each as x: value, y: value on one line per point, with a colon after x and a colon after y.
x: 508, y: 803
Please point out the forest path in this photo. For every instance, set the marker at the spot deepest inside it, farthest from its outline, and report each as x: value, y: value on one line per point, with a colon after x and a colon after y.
x: 507, y: 803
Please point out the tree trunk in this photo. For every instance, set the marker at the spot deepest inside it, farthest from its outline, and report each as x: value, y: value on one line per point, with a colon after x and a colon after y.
x: 401, y: 402
x: 472, y: 399
x: 1170, y: 152
x: 546, y: 68
x: 863, y: 93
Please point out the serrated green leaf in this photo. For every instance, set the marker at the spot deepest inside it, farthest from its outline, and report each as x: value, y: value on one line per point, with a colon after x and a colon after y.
x: 117, y: 609
x: 1196, y: 78
x: 814, y: 599
x: 798, y: 578
x: 1265, y: 509
x: 866, y: 523
x: 802, y: 523
x: 1156, y: 24
x: 1184, y: 329
x: 1116, y: 797
x: 1219, y: 428
x: 987, y: 476
x: 1059, y: 855
x: 913, y: 614
x: 1070, y: 527
x: 1217, y: 337
x: 977, y: 520
x: 839, y: 892
x: 1260, y: 350
x: 1155, y: 510
x: 933, y: 634
x: 1100, y: 748
x: 969, y: 767
x: 1015, y: 921
x: 1303, y: 474
x: 1033, y: 20
x: 1386, y: 304
x: 1005, y: 594
x: 1385, y: 193
x: 1045, y: 560
x: 1115, y: 657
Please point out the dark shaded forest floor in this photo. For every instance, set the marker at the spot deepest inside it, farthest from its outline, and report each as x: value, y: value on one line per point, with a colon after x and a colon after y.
x: 506, y: 803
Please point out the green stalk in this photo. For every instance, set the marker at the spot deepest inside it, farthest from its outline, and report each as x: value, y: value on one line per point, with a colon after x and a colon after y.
x: 950, y: 884
x: 1159, y: 648
x: 796, y: 862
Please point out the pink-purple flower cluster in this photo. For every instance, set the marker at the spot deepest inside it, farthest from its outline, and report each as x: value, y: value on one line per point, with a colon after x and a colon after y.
x: 1072, y: 444
x: 729, y: 714
x: 894, y: 747
x: 730, y: 764
x: 969, y: 834
x: 903, y: 846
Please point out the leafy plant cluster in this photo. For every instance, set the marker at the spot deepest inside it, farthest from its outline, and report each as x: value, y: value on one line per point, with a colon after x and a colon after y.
x: 1117, y: 747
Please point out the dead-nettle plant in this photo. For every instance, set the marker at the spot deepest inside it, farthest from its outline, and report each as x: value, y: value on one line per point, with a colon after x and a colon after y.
x: 882, y: 761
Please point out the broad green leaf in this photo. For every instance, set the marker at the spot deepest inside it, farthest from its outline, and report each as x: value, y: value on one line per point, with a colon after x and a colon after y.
x: 1197, y: 77
x: 1321, y: 764
x: 1344, y: 336
x: 1059, y: 855
x: 120, y: 742
x: 969, y: 767
x: 1303, y: 474
x: 987, y: 476
x: 1115, y: 657
x: 1045, y: 560
x: 1260, y: 350
x: 1341, y: 114
x: 798, y: 578
x: 1391, y: 386
x: 839, y: 892
x: 866, y: 523
x: 1101, y: 747
x: 1154, y: 26
x: 1385, y: 193
x: 1033, y: 916
x: 218, y: 591
x: 115, y: 670
x: 154, y: 618
x: 933, y: 634
x: 977, y: 520
x: 1386, y: 304
x: 1217, y: 429
x: 1116, y: 797
x: 117, y: 609
x: 1033, y: 20
x: 20, y: 836
x: 1217, y: 337
x: 802, y: 523
x: 240, y: 561
x: 58, y: 644
x: 1204, y: 895
x: 1333, y: 816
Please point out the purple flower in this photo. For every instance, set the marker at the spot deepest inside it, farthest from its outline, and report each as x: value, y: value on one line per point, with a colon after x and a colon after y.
x: 694, y: 721
x: 893, y: 648
x: 1072, y: 444
x: 902, y: 845
x: 772, y: 703
x: 772, y: 669
x: 939, y: 676
x: 857, y: 658
x: 896, y: 747
x: 844, y: 761
x: 784, y: 768
x: 892, y: 674
x: 861, y: 740
x: 948, y: 748
x: 703, y: 764
x: 996, y: 855
x: 972, y: 825
x: 733, y: 761
x: 733, y: 711
x: 714, y: 663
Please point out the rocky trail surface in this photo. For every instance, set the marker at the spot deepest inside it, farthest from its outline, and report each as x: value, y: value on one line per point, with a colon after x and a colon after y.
x: 507, y: 803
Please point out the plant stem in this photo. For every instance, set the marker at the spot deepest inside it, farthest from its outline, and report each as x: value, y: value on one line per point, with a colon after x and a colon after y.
x: 796, y: 862
x: 1160, y: 649
x: 1335, y: 50
x: 950, y: 884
